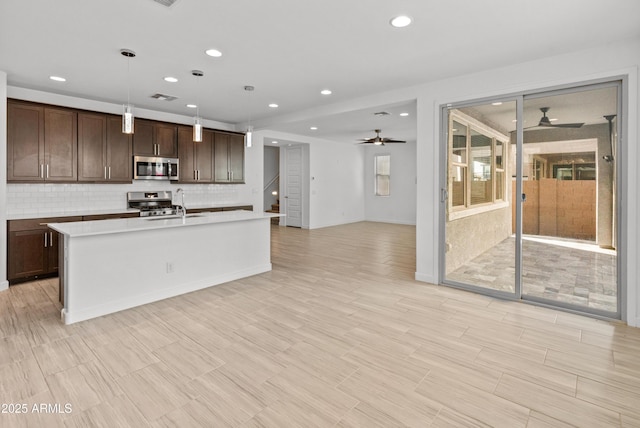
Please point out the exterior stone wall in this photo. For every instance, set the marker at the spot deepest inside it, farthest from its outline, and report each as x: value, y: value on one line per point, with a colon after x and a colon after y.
x: 468, y: 237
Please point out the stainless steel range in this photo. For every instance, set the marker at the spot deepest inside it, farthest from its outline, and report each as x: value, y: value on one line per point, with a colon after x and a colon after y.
x: 151, y: 203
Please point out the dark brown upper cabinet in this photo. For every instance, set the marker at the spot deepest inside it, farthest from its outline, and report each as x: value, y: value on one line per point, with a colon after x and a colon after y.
x: 155, y: 138
x: 41, y: 143
x: 119, y: 152
x: 196, y: 158
x: 229, y: 158
x: 104, y: 152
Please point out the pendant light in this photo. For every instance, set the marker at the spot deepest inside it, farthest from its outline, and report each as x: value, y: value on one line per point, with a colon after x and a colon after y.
x: 248, y: 135
x: 197, y: 122
x: 127, y: 109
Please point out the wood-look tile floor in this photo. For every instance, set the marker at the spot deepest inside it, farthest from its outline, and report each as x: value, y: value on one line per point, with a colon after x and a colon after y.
x: 337, y: 335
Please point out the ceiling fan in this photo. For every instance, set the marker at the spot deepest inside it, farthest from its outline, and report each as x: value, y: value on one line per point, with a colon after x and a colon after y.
x: 545, y: 121
x: 379, y: 141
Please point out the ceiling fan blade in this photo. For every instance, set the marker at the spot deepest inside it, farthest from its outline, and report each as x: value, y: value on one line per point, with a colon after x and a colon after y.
x: 568, y: 125
x: 388, y: 140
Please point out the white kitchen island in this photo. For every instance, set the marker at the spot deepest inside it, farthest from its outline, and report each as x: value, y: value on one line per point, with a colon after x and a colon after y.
x: 111, y: 265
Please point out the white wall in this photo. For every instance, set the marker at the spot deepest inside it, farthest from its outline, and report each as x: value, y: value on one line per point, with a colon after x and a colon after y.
x: 400, y: 205
x: 4, y: 284
x: 336, y: 179
x: 613, y: 60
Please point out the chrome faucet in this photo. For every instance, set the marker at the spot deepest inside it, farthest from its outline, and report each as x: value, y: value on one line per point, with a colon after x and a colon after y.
x: 182, y: 210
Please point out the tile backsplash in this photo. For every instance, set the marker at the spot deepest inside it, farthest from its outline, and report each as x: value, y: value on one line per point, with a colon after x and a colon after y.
x: 43, y: 199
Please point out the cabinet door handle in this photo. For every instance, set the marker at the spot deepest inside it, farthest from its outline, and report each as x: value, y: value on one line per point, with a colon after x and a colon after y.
x: 195, y: 175
x: 198, y: 175
x: 45, y: 240
x: 41, y: 170
x: 109, y: 169
x: 47, y: 171
x: 105, y: 172
x: 51, y: 238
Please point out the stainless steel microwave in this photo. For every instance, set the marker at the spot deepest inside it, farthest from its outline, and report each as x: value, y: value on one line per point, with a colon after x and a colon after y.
x: 155, y: 168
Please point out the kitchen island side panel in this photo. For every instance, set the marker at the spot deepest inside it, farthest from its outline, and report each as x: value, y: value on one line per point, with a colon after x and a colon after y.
x: 111, y: 272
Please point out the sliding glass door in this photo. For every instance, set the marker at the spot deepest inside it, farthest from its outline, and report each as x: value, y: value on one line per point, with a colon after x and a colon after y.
x: 479, y: 238
x: 529, y: 201
x: 569, y: 255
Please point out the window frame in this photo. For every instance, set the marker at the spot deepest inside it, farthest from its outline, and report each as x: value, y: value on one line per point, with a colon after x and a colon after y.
x: 376, y: 175
x: 467, y: 209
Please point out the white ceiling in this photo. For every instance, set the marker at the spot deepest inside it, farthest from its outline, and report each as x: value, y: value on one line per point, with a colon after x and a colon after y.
x: 289, y: 50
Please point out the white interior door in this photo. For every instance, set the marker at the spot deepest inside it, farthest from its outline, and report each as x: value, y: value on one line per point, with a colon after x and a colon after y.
x: 293, y: 186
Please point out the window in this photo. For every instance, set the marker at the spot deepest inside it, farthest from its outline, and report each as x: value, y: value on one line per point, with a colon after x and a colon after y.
x: 477, y: 164
x: 382, y: 167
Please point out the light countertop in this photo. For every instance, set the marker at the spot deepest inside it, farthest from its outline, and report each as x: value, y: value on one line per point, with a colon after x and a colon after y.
x: 103, y: 211
x: 124, y: 225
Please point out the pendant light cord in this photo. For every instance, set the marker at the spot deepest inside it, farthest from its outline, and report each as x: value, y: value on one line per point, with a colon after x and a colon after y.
x: 128, y: 80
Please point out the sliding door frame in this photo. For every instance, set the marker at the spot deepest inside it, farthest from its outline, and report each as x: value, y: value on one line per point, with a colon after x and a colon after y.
x: 621, y: 197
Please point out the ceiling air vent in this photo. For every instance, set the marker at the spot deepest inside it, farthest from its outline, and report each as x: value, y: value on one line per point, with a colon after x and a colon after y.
x: 381, y: 113
x: 167, y: 3
x: 164, y: 97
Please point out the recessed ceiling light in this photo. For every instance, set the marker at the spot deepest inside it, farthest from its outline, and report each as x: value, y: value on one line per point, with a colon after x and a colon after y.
x: 553, y: 119
x: 325, y: 92
x: 192, y: 106
x: 313, y: 128
x: 274, y: 142
x: 400, y: 21
x: 404, y: 114
x: 170, y: 79
x: 58, y: 78
x: 514, y: 120
x: 273, y: 105
x: 213, y: 52
x: 497, y: 103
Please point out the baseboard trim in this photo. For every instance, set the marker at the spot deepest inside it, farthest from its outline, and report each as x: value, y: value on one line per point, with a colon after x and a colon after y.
x: 383, y: 220
x: 423, y: 277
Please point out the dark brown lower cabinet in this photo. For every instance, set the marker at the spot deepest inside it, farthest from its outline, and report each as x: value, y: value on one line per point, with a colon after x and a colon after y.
x: 239, y: 207
x: 33, y: 248
x: 209, y: 210
x: 109, y: 216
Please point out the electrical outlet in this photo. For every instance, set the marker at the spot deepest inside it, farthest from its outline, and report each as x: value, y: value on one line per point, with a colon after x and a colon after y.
x: 169, y: 267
